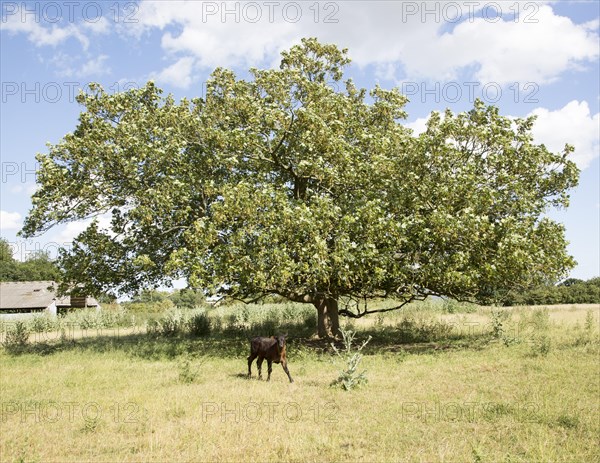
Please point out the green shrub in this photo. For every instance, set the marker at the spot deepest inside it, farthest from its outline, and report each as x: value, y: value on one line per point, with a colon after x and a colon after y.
x: 172, y: 323
x: 266, y: 327
x: 500, y: 327
x: 541, y: 345
x: 199, y: 324
x: 187, y: 373
x: 240, y: 318
x: 216, y: 324
x: 187, y: 298
x: 17, y: 337
x: 86, y: 319
x: 291, y: 312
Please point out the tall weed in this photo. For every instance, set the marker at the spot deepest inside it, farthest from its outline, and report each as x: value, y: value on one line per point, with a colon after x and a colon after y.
x: 349, y: 377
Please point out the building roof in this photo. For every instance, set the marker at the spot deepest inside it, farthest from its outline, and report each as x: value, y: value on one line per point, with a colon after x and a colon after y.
x: 33, y: 295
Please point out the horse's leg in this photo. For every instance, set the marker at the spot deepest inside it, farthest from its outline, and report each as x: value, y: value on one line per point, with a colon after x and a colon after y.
x: 251, y: 358
x: 287, y: 372
x: 269, y: 363
x: 259, y: 363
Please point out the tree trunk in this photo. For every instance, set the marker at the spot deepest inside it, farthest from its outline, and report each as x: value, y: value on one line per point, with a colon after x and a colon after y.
x: 328, y: 322
x: 321, y: 306
x: 334, y: 318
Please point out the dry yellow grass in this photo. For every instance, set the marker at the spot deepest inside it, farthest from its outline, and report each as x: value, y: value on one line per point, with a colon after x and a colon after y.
x: 472, y: 398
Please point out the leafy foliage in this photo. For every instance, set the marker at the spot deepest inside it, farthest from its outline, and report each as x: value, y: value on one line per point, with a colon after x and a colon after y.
x: 199, y: 324
x: 282, y: 184
x: 187, y: 298
x: 17, y: 337
x: 37, y: 267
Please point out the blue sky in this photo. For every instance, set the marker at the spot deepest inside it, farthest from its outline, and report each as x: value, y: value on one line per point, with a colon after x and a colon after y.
x: 526, y: 57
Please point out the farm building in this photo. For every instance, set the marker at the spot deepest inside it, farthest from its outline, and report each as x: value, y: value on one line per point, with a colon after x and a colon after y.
x: 29, y: 297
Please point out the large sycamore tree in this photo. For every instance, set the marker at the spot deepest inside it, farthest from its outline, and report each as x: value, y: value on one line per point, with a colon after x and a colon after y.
x: 297, y: 183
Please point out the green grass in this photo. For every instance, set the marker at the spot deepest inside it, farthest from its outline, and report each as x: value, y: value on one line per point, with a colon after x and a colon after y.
x: 434, y: 393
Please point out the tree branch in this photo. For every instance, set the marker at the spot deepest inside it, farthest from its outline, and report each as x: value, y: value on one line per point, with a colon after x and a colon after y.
x: 359, y: 314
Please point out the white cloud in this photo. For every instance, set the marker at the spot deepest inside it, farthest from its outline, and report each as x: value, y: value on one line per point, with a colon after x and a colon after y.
x: 537, y: 47
x: 28, y: 188
x: 239, y: 34
x: 179, y: 74
x: 573, y: 124
x: 405, y: 40
x: 92, y: 68
x: 99, y: 26
x: 51, y: 27
x: 10, y: 220
x: 70, y: 231
x: 418, y: 126
x: 507, y: 51
x: 42, y: 35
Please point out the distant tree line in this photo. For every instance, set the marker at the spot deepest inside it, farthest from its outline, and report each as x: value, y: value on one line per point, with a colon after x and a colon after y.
x: 570, y: 291
x: 152, y: 300
x: 37, y: 267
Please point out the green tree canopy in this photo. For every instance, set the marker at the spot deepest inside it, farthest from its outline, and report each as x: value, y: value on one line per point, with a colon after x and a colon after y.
x: 37, y: 267
x: 286, y: 184
x: 6, y: 253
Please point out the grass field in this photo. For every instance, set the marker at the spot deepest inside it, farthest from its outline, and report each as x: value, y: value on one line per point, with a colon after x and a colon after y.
x: 508, y: 385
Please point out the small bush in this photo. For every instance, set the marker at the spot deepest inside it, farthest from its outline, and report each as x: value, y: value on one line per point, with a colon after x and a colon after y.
x: 500, y: 328
x: 155, y: 307
x: 187, y: 373
x: 540, y: 346
x: 216, y: 324
x: 17, y: 337
x: 238, y: 320
x: 172, y: 324
x: 115, y: 318
x: 199, y: 324
x: 86, y: 319
x: 290, y: 312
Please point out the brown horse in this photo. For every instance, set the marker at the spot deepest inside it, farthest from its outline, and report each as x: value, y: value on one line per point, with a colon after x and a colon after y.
x: 272, y: 349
